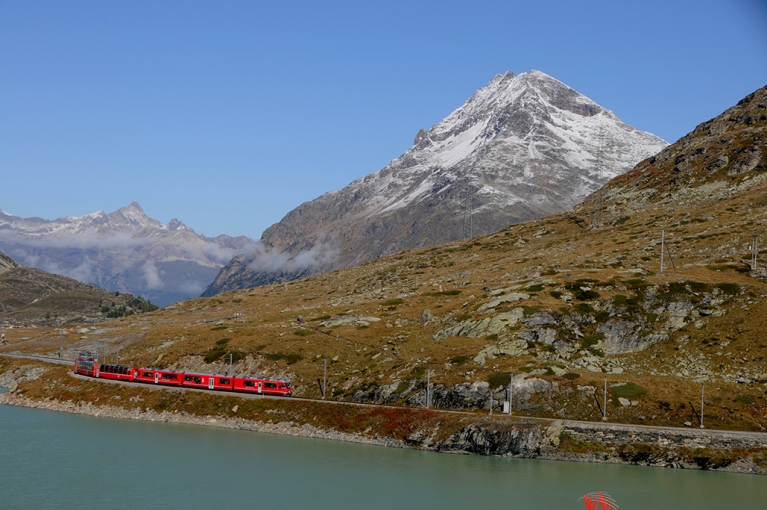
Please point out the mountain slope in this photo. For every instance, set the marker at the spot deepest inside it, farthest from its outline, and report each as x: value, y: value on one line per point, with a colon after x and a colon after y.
x: 567, y: 303
x: 521, y: 148
x: 29, y: 295
x: 123, y: 251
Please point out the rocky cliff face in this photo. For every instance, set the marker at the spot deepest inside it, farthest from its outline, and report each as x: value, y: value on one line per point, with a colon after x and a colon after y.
x: 521, y: 148
x: 124, y: 251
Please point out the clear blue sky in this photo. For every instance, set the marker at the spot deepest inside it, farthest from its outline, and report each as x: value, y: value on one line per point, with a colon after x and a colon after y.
x: 228, y: 114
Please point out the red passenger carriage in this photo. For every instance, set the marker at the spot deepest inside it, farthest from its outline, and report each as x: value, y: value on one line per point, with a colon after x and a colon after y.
x: 85, y: 364
x: 207, y: 381
x: 262, y: 386
x: 117, y: 372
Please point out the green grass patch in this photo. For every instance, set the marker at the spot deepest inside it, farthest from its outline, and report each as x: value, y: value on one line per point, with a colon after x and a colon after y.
x: 571, y: 376
x: 720, y: 267
x: 393, y: 302
x: 535, y: 288
x: 289, y: 358
x: 745, y: 399
x: 591, y: 340
x: 580, y: 292
x: 452, y: 292
x: 459, y: 360
x: 215, y: 353
x: 219, y: 328
x: 303, y: 332
x: 497, y: 379
x: 628, y: 390
x: 731, y: 289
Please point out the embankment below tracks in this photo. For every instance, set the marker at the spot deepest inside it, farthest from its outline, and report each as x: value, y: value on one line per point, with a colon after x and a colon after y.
x: 38, y: 385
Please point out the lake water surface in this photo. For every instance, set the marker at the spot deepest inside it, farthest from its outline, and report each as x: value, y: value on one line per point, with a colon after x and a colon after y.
x: 59, y: 460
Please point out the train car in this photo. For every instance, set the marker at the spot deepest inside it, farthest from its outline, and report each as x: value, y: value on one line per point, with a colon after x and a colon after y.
x: 262, y: 386
x: 248, y: 385
x: 167, y: 377
x: 117, y: 372
x: 207, y: 381
x: 85, y: 364
x: 280, y: 388
x: 145, y: 375
x: 157, y: 376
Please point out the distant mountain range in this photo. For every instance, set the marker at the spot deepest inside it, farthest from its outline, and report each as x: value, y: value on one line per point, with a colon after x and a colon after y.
x: 519, y: 149
x: 124, y: 251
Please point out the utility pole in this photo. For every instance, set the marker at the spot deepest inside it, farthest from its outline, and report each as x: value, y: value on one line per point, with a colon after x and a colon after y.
x: 511, y: 393
x: 754, y: 251
x: 60, y: 344
x: 324, y: 378
x: 702, y: 402
x: 428, y: 387
x: 491, y: 400
x: 662, y: 248
x: 230, y: 364
x: 604, y: 406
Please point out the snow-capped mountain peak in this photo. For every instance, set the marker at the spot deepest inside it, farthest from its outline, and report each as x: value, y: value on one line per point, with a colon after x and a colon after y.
x: 520, y: 148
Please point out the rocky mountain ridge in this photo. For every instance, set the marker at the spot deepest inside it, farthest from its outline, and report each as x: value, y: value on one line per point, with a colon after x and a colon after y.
x: 124, y: 251
x: 521, y: 148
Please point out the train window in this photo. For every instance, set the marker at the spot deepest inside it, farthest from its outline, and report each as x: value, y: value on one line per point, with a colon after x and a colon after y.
x: 249, y: 384
x: 169, y: 376
x: 224, y: 381
x: 270, y: 385
x: 146, y: 374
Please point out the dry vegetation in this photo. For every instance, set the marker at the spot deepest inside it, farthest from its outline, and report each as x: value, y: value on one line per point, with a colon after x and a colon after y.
x: 599, y: 261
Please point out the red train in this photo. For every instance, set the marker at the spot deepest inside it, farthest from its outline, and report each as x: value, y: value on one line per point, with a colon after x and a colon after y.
x: 86, y: 364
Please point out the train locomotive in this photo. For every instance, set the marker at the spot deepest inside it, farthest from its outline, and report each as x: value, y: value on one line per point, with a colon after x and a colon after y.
x: 86, y: 364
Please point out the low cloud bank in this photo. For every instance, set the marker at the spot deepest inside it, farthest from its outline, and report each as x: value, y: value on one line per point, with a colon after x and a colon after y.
x: 265, y: 259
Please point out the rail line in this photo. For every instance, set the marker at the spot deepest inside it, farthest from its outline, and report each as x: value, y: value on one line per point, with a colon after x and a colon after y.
x: 565, y: 422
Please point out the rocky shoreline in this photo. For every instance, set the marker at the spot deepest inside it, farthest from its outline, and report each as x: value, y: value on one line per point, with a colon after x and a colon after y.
x: 107, y: 411
x: 610, y: 443
x: 500, y: 435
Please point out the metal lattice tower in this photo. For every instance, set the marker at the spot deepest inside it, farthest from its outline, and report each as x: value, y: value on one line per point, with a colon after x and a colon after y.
x: 468, y: 210
x: 596, y: 213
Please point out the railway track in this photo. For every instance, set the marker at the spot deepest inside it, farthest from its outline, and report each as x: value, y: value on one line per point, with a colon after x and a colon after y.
x: 566, y: 423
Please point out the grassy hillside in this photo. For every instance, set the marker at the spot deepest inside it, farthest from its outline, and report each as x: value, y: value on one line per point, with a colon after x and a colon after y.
x: 563, y: 303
